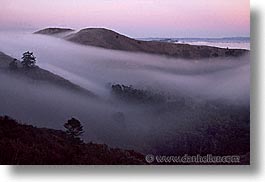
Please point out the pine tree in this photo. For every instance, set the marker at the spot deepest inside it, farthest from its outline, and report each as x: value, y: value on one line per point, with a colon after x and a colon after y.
x: 74, y: 128
x: 29, y: 60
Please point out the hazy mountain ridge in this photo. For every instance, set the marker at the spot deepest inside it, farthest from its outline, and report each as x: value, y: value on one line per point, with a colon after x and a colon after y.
x: 40, y: 75
x: 101, y: 37
x: 25, y: 144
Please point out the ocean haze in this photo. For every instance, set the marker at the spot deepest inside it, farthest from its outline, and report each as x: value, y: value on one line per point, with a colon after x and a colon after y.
x: 226, y: 42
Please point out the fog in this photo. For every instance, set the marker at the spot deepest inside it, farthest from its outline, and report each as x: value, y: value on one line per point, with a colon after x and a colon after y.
x: 44, y: 105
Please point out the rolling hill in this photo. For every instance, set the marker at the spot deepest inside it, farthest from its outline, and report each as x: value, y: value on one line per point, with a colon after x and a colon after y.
x: 41, y: 76
x: 52, y: 31
x: 108, y: 39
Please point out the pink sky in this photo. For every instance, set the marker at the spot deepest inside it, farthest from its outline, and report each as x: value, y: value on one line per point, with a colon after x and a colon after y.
x: 136, y: 18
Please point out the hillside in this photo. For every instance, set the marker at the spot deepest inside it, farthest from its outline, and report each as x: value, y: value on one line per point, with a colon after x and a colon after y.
x: 101, y: 37
x: 25, y: 144
x: 40, y: 75
x: 4, y: 60
x: 53, y: 31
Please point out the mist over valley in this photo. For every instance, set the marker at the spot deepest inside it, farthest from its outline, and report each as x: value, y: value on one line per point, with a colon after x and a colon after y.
x: 146, y: 102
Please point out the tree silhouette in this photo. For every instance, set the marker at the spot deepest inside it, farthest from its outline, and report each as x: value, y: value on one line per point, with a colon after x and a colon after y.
x: 29, y: 60
x: 74, y: 128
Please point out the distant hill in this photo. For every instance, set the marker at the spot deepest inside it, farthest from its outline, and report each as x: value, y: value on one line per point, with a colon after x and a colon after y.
x: 24, y: 144
x: 41, y: 75
x: 52, y: 31
x: 101, y: 37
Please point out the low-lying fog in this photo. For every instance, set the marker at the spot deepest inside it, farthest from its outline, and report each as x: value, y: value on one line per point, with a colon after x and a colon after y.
x: 95, y: 68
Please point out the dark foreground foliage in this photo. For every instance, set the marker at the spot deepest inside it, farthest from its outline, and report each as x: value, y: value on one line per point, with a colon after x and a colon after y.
x: 25, y: 144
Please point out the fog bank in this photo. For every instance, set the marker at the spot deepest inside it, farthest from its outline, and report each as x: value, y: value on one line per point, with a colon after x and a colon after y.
x: 226, y: 81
